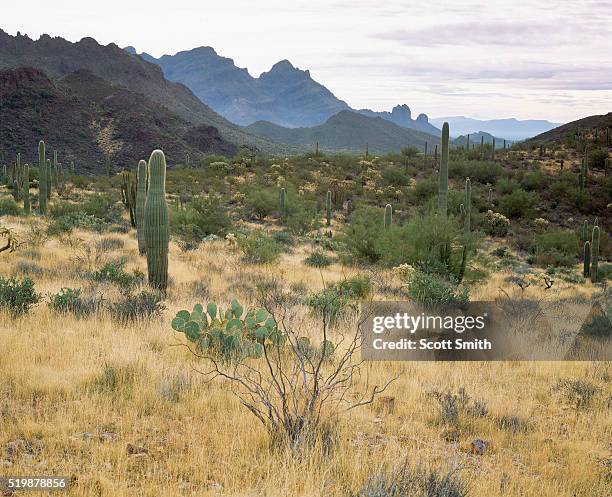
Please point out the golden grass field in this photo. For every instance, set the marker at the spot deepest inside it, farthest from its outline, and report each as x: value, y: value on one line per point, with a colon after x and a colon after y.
x: 161, y: 430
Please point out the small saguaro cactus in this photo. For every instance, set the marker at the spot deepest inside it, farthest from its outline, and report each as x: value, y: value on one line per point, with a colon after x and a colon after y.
x: 282, y: 207
x: 367, y: 149
x: 48, y: 178
x: 26, y: 189
x: 317, y: 149
x: 594, y: 254
x: 388, y: 216
x: 328, y: 207
x: 493, y: 149
x: 468, y: 206
x: 141, y: 197
x: 467, y: 146
x: 156, y: 223
x: 42, y: 181
x: 54, y: 169
x: 585, y: 231
x: 490, y: 198
x: 443, y: 179
x: 586, y: 269
x: 425, y: 151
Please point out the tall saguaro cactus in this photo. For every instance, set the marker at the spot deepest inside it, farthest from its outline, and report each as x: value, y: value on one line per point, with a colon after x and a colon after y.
x: 594, y: 254
x: 467, y: 224
x: 156, y: 227
x: 141, y: 198
x: 443, y: 180
x: 388, y: 215
x: 26, y: 189
x: 282, y: 204
x: 328, y: 207
x: 586, y: 268
x: 42, y: 178
x: 48, y: 178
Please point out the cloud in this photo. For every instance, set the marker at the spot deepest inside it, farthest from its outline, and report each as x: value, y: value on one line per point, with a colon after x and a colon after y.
x: 493, y: 33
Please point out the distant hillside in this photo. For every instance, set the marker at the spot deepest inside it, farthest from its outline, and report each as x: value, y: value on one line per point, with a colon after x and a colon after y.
x: 475, y: 138
x: 285, y: 94
x: 58, y: 57
x: 511, y: 129
x: 587, y: 124
x: 402, y: 116
x: 347, y: 131
x: 86, y: 118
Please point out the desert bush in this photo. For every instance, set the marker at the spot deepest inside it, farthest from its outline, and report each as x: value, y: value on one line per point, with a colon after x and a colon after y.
x: 394, y: 177
x: 480, y: 171
x: 597, y: 157
x: 429, y: 287
x: 413, y: 483
x: 141, y: 306
x: 517, y: 204
x: 8, y: 207
x: 302, y: 217
x: 70, y: 301
x: 17, y: 296
x: 575, y: 392
x: 506, y: 185
x: 533, y: 180
x: 203, y: 216
x: 261, y: 202
x: 425, y: 189
x: 318, y: 258
x: 557, y: 248
x: 259, y: 248
x: 114, y: 272
x: 283, y: 237
x: 338, y: 302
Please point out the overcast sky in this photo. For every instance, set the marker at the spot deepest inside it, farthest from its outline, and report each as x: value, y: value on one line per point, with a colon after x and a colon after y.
x: 486, y: 59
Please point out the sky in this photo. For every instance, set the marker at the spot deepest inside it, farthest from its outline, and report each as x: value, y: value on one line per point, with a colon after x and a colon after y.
x: 486, y: 59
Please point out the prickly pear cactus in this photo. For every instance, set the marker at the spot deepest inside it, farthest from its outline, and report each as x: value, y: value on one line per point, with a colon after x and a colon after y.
x: 156, y: 227
x: 231, y: 334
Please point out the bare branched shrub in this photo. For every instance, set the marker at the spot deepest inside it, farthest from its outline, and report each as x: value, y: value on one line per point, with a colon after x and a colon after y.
x: 295, y: 389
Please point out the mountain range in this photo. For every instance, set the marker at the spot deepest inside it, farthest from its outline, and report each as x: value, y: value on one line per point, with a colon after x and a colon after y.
x: 58, y: 57
x: 285, y: 95
x: 347, y: 131
x: 91, y: 121
x: 510, y: 129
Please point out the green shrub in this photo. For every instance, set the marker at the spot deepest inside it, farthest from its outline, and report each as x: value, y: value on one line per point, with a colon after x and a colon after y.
x: 114, y: 272
x: 302, y: 217
x: 394, y: 177
x: 597, y: 157
x: 534, y: 180
x: 203, y: 216
x: 259, y: 248
x: 480, y: 171
x: 8, y: 207
x: 70, y: 301
x: 432, y: 288
x: 425, y: 189
x: 507, y: 185
x: 140, y: 306
x: 261, y: 202
x: 17, y: 295
x: 517, y: 204
x: 318, y: 258
x: 557, y: 248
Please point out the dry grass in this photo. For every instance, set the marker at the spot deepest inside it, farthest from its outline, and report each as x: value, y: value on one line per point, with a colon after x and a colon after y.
x: 77, y: 396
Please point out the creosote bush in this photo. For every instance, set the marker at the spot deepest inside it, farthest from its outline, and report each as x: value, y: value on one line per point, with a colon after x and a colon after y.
x: 17, y: 296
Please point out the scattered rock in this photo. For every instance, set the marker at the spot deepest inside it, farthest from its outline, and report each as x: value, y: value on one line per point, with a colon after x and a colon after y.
x: 133, y: 450
x: 478, y: 447
x: 107, y: 436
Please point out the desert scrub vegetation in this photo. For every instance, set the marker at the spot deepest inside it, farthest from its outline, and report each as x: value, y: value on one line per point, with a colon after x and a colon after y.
x: 252, y: 331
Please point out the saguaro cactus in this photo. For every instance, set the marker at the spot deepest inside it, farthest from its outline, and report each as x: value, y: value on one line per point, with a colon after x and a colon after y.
x: 282, y: 207
x: 328, y: 207
x: 156, y: 227
x: 585, y: 231
x: 467, y: 146
x: 586, y: 268
x: 594, y: 254
x: 26, y: 189
x: 141, y: 198
x: 48, y: 178
x: 388, y: 215
x: 443, y: 179
x: 493, y: 150
x: 468, y: 206
x: 42, y: 178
